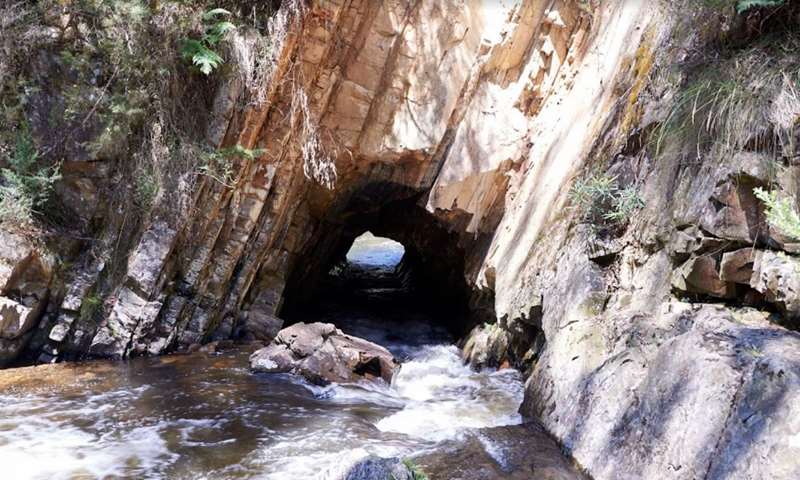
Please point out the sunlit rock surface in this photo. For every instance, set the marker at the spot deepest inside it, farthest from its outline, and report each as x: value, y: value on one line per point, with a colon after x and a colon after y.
x: 458, y: 128
x: 323, y: 354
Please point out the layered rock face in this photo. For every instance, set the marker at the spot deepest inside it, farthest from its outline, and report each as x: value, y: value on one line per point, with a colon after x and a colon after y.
x: 655, y: 346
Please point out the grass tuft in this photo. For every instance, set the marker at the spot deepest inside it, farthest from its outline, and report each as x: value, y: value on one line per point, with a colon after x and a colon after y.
x: 749, y: 100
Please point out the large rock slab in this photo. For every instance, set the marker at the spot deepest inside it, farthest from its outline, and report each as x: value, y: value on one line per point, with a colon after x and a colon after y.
x: 324, y: 354
x: 700, y: 275
x: 717, y: 395
x: 130, y: 318
x: 515, y: 452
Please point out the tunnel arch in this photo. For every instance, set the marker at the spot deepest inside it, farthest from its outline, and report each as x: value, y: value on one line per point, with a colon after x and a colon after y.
x: 432, y: 268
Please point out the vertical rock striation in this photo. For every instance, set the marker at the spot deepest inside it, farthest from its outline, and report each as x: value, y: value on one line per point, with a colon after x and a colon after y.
x: 654, y: 349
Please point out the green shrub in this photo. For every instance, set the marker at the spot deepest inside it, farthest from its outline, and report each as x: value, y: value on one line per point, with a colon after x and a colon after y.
x: 201, y: 52
x: 25, y: 186
x: 780, y: 213
x: 602, y: 202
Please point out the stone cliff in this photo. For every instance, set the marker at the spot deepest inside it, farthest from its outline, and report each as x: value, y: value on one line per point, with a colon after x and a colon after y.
x: 661, y: 344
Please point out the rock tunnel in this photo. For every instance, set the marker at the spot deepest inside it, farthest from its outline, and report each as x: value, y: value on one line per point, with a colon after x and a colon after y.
x: 429, y: 276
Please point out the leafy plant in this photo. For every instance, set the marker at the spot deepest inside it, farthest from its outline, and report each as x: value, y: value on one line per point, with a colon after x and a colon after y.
x: 25, y: 186
x: 217, y: 165
x: 780, y: 213
x: 416, y: 471
x: 90, y: 305
x: 603, y: 202
x: 239, y: 151
x: 146, y: 188
x: 626, y: 202
x: 201, y: 52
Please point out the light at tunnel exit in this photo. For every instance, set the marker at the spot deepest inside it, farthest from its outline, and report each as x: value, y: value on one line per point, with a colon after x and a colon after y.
x: 371, y: 251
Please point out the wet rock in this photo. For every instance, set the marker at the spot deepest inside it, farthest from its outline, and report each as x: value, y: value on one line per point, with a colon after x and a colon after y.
x: 519, y: 452
x: 260, y: 325
x: 372, y: 468
x: 323, y: 354
x: 486, y: 346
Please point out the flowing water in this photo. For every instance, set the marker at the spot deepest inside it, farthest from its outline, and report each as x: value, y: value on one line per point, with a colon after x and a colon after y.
x: 206, y: 416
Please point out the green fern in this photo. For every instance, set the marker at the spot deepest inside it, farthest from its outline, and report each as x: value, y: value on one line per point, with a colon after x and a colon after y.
x: 200, y: 52
x: 201, y: 56
x: 215, y: 32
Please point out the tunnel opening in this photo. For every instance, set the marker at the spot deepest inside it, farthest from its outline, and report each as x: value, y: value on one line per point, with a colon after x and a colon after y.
x: 385, y: 271
x: 372, y: 269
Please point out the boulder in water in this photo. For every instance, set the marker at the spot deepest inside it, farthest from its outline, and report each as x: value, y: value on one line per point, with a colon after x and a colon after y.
x: 323, y: 354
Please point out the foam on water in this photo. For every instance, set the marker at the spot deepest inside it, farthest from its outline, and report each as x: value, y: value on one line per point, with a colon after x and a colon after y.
x: 444, y: 397
x: 195, y: 417
x: 39, y: 448
x: 435, y: 397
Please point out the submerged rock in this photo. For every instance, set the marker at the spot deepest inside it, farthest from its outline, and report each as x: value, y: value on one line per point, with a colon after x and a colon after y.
x: 323, y: 354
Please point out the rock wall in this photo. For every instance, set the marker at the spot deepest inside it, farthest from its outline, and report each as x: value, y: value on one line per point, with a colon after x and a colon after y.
x: 654, y: 349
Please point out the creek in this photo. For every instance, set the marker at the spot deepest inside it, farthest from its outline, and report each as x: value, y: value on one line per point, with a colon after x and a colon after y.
x: 201, y: 415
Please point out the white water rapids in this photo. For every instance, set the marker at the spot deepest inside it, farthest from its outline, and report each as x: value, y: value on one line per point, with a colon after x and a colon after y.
x: 205, y: 416
x: 198, y: 416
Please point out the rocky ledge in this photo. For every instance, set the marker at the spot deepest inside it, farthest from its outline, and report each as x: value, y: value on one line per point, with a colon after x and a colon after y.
x: 324, y: 354
x: 514, y: 452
